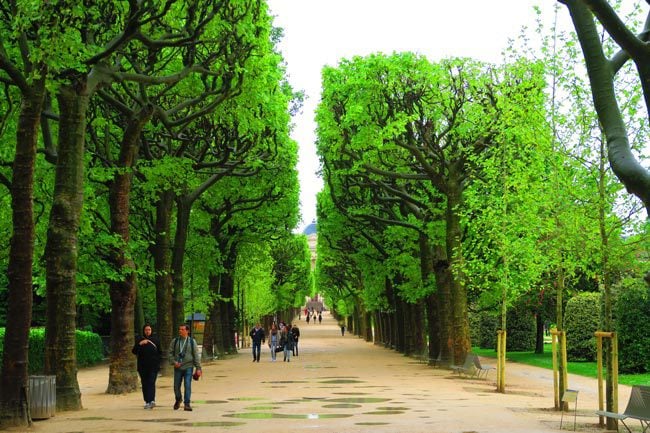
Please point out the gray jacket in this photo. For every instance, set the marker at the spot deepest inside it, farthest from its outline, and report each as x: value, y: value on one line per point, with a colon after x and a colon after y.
x: 190, y: 353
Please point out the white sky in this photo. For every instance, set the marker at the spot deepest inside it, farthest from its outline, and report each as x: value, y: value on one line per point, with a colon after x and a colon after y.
x: 318, y: 33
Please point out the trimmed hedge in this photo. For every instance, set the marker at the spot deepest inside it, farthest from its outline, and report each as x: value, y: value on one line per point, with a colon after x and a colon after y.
x: 520, y: 323
x: 632, y: 311
x: 90, y: 350
x: 488, y: 324
x: 521, y: 327
x: 581, y: 319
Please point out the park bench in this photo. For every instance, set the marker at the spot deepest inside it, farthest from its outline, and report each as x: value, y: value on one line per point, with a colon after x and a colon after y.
x: 638, y: 407
x: 469, y: 366
x: 480, y: 369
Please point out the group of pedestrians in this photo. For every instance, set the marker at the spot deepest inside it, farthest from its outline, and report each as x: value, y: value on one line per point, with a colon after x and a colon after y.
x: 183, y: 355
x: 310, y: 314
x: 283, y: 337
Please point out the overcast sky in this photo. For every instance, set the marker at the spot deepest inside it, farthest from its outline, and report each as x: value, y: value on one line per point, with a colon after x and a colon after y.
x: 318, y: 33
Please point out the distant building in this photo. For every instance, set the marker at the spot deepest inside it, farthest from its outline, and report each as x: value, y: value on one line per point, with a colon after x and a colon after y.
x: 312, y: 238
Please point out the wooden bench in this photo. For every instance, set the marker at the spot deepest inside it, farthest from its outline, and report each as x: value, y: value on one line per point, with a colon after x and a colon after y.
x: 638, y: 407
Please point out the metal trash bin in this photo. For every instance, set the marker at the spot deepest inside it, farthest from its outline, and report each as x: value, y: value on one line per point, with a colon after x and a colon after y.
x: 42, y: 396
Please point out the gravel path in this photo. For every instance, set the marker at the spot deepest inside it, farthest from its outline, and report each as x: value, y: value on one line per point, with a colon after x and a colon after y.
x: 339, y: 385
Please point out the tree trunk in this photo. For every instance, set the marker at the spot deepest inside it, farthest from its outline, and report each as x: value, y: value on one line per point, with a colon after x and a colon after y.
x: 430, y: 301
x: 178, y: 254
x: 162, y: 266
x: 13, y: 380
x: 367, y: 319
x: 607, y: 288
x: 61, y: 248
x: 459, y: 316
x: 228, y: 326
x: 539, y: 337
x: 122, y: 376
x: 400, y: 343
x: 443, y: 299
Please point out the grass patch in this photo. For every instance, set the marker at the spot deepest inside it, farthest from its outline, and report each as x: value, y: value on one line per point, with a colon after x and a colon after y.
x: 545, y: 360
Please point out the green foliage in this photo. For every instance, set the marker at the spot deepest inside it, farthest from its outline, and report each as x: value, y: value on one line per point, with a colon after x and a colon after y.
x: 90, y: 349
x: 483, y: 328
x: 632, y: 319
x: 521, y: 328
x: 582, y: 318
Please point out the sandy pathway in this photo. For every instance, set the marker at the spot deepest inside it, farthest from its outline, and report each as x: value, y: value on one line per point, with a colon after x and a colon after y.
x: 337, y: 384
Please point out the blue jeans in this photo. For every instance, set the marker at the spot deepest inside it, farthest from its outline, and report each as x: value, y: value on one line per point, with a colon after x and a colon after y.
x: 274, y: 344
x: 287, y: 352
x: 185, y: 376
x: 257, y: 347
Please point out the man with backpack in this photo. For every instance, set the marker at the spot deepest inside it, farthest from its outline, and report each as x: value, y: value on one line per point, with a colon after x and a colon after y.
x: 184, y: 356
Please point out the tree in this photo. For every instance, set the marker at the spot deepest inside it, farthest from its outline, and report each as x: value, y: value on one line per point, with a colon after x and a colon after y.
x: 602, y: 72
x: 23, y: 64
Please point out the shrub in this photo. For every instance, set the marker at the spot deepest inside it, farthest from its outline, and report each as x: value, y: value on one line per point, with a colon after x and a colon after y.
x: 90, y: 349
x: 520, y: 326
x: 581, y: 319
x: 632, y: 311
x: 487, y: 335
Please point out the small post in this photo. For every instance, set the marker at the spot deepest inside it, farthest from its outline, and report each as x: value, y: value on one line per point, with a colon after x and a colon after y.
x: 556, y: 387
x: 599, y: 370
x: 611, y: 422
x: 565, y: 364
x: 501, y: 361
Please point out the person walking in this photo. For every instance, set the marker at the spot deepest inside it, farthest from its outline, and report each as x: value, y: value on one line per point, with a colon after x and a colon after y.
x: 258, y: 337
x: 320, y: 318
x: 149, y: 353
x: 342, y: 325
x: 274, y: 339
x: 184, y: 356
x: 287, y: 341
x: 295, y: 334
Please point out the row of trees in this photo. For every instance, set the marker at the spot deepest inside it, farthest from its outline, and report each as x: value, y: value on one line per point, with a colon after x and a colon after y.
x: 155, y: 136
x: 460, y: 185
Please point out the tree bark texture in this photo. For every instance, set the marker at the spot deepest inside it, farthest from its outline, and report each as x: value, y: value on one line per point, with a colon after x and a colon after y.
x: 228, y: 315
x: 178, y: 254
x: 443, y: 276
x: 13, y: 380
x: 122, y: 370
x: 459, y: 316
x: 162, y: 265
x: 61, y: 249
x: 367, y: 319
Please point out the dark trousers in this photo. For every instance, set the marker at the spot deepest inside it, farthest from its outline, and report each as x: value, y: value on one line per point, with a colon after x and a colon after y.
x: 148, y: 379
x: 295, y: 348
x: 257, y: 348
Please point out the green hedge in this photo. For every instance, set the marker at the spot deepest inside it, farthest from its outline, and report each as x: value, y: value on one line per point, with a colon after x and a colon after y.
x: 520, y: 323
x: 521, y: 326
x: 632, y: 310
x: 90, y: 350
x: 581, y: 319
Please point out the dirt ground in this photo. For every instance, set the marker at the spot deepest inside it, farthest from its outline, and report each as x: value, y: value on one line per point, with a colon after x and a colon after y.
x: 336, y: 384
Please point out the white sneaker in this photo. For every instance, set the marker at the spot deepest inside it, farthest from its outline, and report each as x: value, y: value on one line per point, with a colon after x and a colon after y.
x: 152, y: 404
x: 147, y: 405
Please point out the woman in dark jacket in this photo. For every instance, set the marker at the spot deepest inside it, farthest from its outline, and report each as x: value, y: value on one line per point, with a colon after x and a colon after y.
x: 148, y: 350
